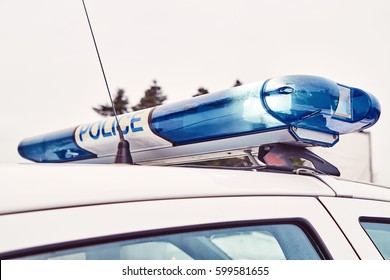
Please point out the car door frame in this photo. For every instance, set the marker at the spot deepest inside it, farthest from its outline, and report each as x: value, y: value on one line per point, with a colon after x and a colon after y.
x: 348, y: 213
x: 83, y: 225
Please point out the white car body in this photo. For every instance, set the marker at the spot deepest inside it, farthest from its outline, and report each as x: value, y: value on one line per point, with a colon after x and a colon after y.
x: 49, y: 207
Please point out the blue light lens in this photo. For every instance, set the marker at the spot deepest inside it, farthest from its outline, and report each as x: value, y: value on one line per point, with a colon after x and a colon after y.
x: 232, y: 112
x: 53, y: 147
x: 292, y: 98
x: 319, y: 104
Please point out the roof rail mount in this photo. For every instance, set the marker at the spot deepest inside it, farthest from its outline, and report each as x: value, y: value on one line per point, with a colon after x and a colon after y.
x: 284, y: 155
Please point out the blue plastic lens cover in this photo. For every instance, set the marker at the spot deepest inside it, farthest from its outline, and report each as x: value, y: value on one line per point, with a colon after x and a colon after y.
x: 53, y: 147
x: 319, y: 104
x: 292, y: 98
x: 231, y: 112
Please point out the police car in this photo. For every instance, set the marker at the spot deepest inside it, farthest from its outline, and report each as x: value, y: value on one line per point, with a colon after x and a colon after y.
x: 273, y: 209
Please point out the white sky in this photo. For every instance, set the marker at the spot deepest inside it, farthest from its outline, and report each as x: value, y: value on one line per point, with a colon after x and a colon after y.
x: 50, y: 76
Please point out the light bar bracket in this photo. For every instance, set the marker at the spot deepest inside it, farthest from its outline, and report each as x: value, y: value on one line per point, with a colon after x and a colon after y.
x: 281, y: 155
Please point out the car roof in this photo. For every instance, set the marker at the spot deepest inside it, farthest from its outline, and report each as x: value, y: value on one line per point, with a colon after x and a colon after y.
x: 363, y: 190
x: 33, y: 187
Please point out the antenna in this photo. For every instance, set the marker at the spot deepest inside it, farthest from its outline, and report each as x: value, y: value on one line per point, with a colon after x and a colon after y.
x: 123, y: 154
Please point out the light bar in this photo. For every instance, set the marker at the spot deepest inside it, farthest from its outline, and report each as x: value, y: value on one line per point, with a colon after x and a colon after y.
x: 306, y: 109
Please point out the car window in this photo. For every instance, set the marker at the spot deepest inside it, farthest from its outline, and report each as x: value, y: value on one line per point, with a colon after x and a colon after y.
x: 278, y: 241
x: 379, y: 233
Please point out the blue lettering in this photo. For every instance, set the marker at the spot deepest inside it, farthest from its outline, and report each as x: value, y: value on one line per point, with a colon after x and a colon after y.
x: 127, y: 127
x: 113, y: 127
x: 83, y: 130
x: 96, y: 136
x: 104, y: 133
x: 95, y: 130
x: 134, y: 120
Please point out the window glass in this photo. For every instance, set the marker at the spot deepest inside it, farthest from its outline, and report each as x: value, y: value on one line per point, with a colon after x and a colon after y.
x: 379, y: 232
x: 279, y: 241
x: 153, y: 251
x: 71, y: 256
x: 245, y: 246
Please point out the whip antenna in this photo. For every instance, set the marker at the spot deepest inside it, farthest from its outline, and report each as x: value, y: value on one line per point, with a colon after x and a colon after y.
x: 123, y: 154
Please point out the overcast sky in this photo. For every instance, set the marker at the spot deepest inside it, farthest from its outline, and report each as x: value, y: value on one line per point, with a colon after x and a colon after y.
x: 50, y: 76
